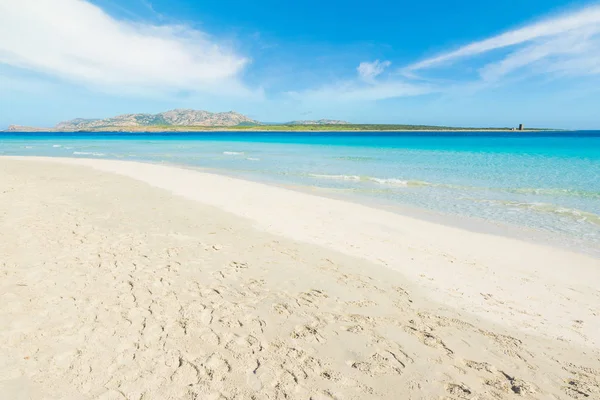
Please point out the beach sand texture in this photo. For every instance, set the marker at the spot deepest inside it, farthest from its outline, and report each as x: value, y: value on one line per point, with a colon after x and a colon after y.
x: 184, y: 285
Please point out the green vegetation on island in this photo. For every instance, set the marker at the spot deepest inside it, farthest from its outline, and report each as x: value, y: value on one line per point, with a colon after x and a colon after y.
x: 351, y: 127
x: 294, y: 128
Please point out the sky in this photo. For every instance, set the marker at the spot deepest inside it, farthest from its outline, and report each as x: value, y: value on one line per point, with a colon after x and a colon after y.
x: 470, y: 63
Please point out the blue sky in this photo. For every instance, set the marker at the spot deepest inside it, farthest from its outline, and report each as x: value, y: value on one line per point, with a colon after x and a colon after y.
x: 467, y: 63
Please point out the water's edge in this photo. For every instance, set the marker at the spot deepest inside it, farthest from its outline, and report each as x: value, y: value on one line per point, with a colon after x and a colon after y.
x: 471, y: 224
x: 542, y: 186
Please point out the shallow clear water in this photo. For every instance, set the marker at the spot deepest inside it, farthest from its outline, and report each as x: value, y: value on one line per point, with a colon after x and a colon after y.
x: 546, y: 181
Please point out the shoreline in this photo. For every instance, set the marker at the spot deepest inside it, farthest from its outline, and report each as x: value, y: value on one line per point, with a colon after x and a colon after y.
x: 150, y: 281
x: 385, y: 238
x: 469, y: 223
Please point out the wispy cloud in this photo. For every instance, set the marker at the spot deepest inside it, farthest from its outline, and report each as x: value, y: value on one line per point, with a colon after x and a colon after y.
x: 78, y: 42
x: 368, y: 71
x: 368, y: 85
x: 565, y: 45
x: 569, y: 43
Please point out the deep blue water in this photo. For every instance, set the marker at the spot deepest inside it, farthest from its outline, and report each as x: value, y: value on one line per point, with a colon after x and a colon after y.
x: 547, y: 181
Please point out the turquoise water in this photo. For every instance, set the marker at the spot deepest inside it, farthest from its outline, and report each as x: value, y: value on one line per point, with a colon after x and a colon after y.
x: 549, y: 182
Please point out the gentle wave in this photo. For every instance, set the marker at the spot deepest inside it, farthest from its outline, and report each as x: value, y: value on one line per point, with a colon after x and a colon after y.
x: 572, y: 213
x: 233, y: 153
x: 391, y: 181
x: 356, y: 158
x: 252, y: 159
x: 56, y: 145
x: 355, y: 178
x: 556, y: 192
x: 381, y: 181
x: 417, y: 183
x: 86, y: 153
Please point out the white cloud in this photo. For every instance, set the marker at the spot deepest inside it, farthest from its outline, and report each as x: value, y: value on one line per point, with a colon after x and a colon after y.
x: 367, y: 87
x: 76, y: 41
x: 563, y: 45
x: 368, y: 71
x: 585, y: 20
x: 573, y: 53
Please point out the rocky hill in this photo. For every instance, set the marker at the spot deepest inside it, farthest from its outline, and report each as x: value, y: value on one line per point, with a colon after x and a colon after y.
x: 169, y: 118
x: 174, y: 120
x: 21, y: 128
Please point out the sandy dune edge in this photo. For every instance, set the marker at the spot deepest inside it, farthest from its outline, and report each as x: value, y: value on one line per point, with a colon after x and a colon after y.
x: 113, y: 289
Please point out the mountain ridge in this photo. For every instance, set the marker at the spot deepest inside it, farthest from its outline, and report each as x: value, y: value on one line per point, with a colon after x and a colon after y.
x: 176, y: 117
x: 181, y: 117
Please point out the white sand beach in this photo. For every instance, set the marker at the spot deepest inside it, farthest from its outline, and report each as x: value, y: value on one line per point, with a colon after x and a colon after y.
x: 125, y: 280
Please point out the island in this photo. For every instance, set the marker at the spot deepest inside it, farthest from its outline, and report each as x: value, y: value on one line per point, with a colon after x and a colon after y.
x: 187, y: 120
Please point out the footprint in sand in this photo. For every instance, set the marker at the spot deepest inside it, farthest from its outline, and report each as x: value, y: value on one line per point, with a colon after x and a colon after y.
x: 215, y: 368
x: 309, y: 333
x: 380, y: 363
x: 244, y: 345
x: 186, y: 374
x: 353, y: 328
x: 460, y: 391
x: 403, y: 293
x: 282, y: 309
x: 312, y: 298
x: 361, y: 303
x: 500, y: 380
x: 428, y: 339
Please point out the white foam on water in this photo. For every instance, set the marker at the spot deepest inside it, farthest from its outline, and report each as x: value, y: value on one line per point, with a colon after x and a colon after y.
x: 390, y: 181
x: 556, y: 192
x: 355, y: 178
x: 382, y: 181
x: 546, y: 208
x: 86, y: 153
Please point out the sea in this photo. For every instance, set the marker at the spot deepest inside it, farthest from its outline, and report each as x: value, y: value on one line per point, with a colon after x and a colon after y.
x: 538, y: 183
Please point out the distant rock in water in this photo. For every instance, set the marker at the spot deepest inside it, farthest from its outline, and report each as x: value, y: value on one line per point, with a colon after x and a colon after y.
x: 319, y: 122
x: 180, y: 117
x: 21, y: 128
